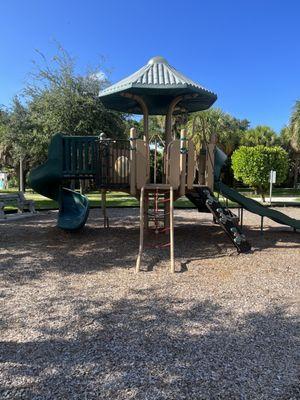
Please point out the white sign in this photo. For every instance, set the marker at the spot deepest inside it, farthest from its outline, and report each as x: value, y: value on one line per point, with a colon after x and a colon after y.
x: 272, y: 178
x: 3, y: 180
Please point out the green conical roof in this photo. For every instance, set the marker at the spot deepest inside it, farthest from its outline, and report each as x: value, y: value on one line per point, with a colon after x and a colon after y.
x: 158, y: 83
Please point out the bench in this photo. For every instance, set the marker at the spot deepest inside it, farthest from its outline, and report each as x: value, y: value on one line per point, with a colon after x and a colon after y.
x: 17, y: 200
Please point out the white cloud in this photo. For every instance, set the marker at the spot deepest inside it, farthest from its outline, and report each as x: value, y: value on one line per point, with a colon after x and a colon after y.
x: 99, y: 76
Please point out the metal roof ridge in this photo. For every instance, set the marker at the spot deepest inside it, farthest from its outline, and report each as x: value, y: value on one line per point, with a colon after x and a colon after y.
x: 157, y: 72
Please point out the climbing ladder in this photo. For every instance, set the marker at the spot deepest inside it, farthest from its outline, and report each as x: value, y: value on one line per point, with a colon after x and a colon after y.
x: 203, y: 198
x: 162, y: 220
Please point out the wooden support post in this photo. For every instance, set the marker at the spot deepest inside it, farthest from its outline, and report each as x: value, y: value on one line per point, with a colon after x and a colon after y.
x: 146, y: 211
x: 146, y: 134
x: 172, y: 230
x: 132, y: 161
x: 202, y: 164
x: 168, y: 122
x: 242, y: 217
x: 210, y: 162
x: 155, y: 161
x: 183, y: 150
x: 103, y: 206
x: 167, y: 212
x: 144, y: 108
x: 262, y: 226
x: 168, y: 129
x: 139, y: 258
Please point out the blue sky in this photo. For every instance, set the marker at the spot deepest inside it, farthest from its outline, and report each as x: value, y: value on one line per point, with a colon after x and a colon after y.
x: 248, y: 52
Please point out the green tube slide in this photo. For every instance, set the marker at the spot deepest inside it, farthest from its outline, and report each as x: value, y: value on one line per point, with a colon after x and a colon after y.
x: 249, y: 204
x: 47, y: 180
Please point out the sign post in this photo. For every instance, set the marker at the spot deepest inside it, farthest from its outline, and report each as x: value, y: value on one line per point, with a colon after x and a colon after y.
x: 272, y: 180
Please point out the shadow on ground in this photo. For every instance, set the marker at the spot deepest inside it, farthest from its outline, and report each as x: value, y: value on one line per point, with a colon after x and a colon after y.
x: 142, y: 345
x: 38, y: 246
x: 149, y: 347
x: 34, y: 246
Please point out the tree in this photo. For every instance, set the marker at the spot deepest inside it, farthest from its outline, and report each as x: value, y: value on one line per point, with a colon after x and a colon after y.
x: 57, y: 99
x: 261, y: 135
x: 285, y: 143
x: 159, y: 165
x: 62, y: 101
x: 17, y: 140
x: 4, y: 148
x: 285, y: 137
x: 202, y: 125
x: 294, y: 130
x: 252, y: 165
x: 290, y: 140
x: 157, y: 125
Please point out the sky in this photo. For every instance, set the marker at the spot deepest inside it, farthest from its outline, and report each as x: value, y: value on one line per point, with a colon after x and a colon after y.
x: 248, y: 52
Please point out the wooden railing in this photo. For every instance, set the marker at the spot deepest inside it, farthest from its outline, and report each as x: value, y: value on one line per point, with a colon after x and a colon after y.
x: 113, y: 167
x: 80, y: 155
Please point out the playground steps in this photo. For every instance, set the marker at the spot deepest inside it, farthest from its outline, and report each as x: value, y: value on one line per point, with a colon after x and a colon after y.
x: 204, y: 199
x: 162, y: 220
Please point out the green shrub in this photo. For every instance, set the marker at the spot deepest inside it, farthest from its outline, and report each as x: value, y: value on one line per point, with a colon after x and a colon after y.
x: 252, y: 166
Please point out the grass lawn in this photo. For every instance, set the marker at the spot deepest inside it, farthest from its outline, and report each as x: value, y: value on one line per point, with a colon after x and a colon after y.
x: 114, y: 199
x: 277, y: 192
x: 120, y: 199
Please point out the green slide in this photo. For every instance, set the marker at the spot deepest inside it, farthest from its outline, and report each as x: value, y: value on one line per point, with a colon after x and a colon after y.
x: 249, y: 204
x: 257, y: 208
x: 47, y: 180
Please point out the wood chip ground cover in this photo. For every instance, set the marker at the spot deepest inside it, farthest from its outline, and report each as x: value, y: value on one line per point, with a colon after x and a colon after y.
x: 78, y: 323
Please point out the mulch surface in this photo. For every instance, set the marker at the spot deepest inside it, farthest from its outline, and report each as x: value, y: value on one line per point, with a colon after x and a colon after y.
x: 78, y: 323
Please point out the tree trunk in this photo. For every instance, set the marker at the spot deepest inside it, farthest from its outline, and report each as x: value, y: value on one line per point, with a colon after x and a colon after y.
x: 198, y: 170
x: 201, y: 168
x: 262, y: 193
x: 296, y: 170
x: 21, y: 176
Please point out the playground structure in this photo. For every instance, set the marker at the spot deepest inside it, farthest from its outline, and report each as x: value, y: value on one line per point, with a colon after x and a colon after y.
x: 124, y: 165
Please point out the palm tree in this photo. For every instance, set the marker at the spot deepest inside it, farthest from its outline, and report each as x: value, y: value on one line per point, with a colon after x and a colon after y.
x: 229, y: 130
x: 201, y: 126
x: 294, y: 129
x: 260, y: 135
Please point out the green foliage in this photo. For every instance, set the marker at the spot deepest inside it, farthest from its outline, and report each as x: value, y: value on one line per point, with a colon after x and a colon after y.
x: 159, y: 166
x: 260, y: 135
x: 295, y: 127
x: 156, y: 125
x: 290, y: 140
x: 290, y: 134
x: 202, y: 125
x: 18, y: 133
x: 252, y: 165
x: 285, y: 137
x: 55, y: 100
x: 69, y: 103
x: 4, y: 153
